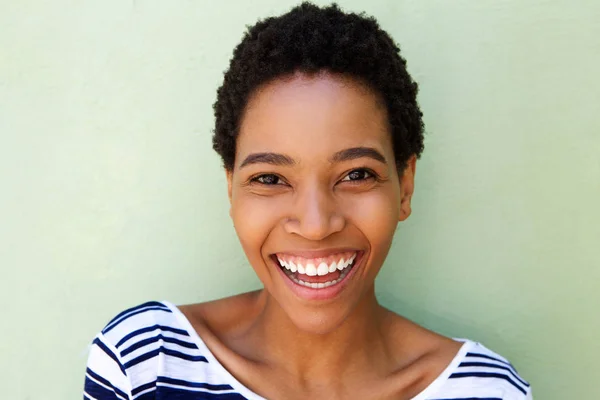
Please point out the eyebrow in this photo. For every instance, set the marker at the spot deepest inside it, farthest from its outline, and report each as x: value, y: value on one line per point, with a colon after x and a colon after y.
x: 343, y: 155
x: 268, y: 158
x: 358, y: 152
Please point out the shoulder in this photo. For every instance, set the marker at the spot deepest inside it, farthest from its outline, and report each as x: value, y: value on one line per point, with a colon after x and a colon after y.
x: 480, y: 372
x: 140, y: 333
x: 150, y: 317
x: 229, y: 316
x: 126, y: 355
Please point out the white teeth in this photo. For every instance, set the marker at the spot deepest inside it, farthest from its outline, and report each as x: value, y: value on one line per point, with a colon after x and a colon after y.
x: 332, y: 267
x: 322, y: 269
x: 301, y: 269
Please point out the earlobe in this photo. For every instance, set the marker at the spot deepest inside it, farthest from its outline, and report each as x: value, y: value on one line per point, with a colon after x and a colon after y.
x: 404, y: 212
x: 407, y: 187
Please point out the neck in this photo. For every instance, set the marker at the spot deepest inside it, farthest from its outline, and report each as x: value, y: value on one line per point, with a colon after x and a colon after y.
x: 311, y: 357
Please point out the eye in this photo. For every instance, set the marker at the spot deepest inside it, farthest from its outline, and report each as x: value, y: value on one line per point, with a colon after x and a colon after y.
x: 268, y: 179
x: 358, y: 175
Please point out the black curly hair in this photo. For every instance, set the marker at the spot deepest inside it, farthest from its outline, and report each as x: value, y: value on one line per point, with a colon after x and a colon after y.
x: 310, y: 39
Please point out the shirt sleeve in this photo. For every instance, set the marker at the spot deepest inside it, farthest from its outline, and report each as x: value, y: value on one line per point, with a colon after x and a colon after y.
x: 105, y: 376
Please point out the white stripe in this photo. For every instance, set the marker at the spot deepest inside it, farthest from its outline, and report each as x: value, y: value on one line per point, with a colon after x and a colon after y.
x: 498, y: 360
x: 158, y: 346
x: 492, y: 371
x: 503, y: 369
x: 196, y: 389
x: 150, y: 334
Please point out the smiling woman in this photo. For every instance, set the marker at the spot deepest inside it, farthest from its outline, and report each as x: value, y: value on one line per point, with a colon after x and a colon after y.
x: 331, y: 203
x: 319, y: 130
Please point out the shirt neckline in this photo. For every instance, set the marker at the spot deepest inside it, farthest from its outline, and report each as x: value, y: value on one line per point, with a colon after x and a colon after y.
x: 430, y: 390
x: 212, y: 360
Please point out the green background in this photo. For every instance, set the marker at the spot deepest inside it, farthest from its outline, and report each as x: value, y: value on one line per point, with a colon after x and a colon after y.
x: 110, y: 193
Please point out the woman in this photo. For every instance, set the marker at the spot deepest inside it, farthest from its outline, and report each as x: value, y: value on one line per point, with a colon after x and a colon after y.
x: 319, y: 130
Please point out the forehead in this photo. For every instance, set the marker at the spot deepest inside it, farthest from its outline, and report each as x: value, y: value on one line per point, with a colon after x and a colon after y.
x: 314, y: 114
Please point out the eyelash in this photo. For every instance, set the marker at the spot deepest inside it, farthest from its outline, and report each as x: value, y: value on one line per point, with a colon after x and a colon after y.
x: 370, y: 175
x: 256, y: 179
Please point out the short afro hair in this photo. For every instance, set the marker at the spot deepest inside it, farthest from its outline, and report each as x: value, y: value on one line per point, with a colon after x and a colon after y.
x: 311, y: 39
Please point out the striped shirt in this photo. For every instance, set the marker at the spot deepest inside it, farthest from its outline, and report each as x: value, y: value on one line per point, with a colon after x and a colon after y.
x: 152, y: 352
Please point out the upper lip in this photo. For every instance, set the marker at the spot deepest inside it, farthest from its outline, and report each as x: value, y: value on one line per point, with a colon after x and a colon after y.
x: 317, y: 253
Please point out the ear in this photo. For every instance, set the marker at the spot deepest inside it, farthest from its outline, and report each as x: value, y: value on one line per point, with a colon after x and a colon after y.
x: 229, y: 175
x: 407, y: 187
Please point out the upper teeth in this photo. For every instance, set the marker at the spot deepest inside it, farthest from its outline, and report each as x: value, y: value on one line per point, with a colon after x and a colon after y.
x: 312, y: 267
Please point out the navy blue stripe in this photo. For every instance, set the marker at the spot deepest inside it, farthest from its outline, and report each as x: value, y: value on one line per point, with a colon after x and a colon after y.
x: 487, y: 375
x: 143, y: 387
x: 106, y: 382
x: 181, y: 382
x: 163, y: 328
x: 109, y: 327
x: 155, y: 339
x: 100, y: 392
x: 168, y: 352
x: 151, y: 395
x: 491, y: 358
x: 127, y: 311
x: 490, y: 365
x: 108, y: 352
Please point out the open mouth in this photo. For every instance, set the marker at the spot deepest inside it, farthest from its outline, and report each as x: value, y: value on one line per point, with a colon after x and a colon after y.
x: 317, y: 273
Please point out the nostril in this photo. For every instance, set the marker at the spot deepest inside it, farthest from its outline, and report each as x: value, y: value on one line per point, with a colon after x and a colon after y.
x: 338, y: 222
x: 291, y: 225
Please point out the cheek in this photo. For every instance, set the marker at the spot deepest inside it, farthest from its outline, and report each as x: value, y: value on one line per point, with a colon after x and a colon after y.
x: 376, y: 214
x: 254, y: 220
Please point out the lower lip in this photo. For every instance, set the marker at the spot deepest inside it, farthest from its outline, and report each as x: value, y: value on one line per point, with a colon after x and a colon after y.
x: 327, y: 293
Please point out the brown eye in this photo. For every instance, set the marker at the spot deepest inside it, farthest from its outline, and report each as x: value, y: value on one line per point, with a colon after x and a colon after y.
x: 268, y: 179
x: 358, y: 175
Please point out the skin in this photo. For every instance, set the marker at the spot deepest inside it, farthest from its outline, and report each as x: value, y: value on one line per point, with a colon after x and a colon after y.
x: 278, y: 344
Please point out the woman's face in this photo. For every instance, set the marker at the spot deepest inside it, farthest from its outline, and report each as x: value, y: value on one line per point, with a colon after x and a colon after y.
x: 315, y: 194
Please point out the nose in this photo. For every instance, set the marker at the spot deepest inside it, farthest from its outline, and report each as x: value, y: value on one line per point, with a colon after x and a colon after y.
x: 315, y: 215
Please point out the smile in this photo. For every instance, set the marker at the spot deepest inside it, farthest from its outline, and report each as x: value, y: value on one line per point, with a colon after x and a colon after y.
x: 317, y: 273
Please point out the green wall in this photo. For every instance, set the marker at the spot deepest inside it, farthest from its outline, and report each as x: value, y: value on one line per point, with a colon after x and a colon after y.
x: 110, y: 194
